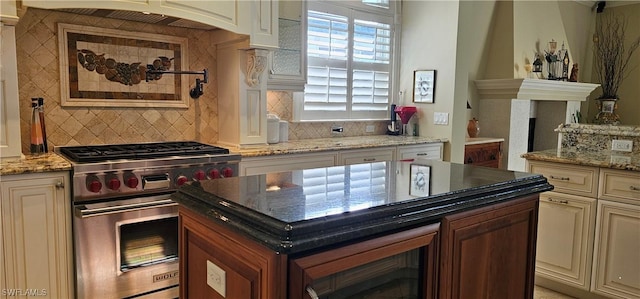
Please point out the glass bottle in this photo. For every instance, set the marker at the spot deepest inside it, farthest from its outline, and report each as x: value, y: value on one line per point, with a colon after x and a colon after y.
x: 37, y: 144
x: 42, y: 125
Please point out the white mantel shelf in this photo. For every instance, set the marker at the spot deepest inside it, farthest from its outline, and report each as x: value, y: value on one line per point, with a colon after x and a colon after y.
x: 534, y: 89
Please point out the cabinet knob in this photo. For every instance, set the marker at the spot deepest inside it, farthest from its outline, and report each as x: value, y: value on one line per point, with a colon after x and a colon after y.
x: 59, y: 185
x: 312, y: 293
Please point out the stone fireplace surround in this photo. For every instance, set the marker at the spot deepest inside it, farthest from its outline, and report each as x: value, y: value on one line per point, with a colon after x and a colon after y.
x: 507, y: 105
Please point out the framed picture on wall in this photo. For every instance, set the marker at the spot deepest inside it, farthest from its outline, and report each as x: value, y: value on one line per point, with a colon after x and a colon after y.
x: 424, y: 86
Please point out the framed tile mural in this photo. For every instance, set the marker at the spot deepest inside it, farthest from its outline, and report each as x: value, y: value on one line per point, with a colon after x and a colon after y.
x: 107, y: 68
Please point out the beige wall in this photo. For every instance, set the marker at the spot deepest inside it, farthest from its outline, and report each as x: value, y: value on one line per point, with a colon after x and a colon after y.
x: 38, y: 76
x: 429, y: 41
x: 629, y: 92
x: 494, y: 40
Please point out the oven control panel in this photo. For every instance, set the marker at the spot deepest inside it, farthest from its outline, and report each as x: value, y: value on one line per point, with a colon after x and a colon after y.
x: 111, y: 183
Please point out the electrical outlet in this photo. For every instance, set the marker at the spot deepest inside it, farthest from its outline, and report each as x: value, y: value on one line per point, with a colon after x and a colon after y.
x: 440, y: 118
x: 622, y: 145
x: 216, y: 278
x: 370, y: 129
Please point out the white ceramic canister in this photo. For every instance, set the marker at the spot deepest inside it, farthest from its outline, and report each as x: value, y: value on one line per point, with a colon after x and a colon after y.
x: 284, y: 131
x: 273, y: 128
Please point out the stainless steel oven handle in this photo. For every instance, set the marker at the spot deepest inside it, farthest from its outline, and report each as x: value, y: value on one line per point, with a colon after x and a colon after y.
x: 85, y: 212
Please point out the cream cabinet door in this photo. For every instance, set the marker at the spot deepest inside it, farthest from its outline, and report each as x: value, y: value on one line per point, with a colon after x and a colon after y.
x: 616, y: 265
x: 565, y: 238
x: 278, y: 163
x: 10, y: 142
x: 420, y: 151
x: 37, y: 247
x: 370, y: 155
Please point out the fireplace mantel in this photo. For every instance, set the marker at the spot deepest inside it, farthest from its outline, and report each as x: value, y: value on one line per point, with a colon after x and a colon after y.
x: 534, y: 89
x: 511, y: 108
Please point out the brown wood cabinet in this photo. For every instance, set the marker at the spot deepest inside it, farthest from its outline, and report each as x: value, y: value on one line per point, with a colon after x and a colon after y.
x: 401, y: 263
x: 211, y: 256
x: 482, y: 253
x: 490, y: 252
x: 484, y: 154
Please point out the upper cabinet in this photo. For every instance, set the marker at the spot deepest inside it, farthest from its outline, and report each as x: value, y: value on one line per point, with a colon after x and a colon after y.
x: 10, y: 141
x: 257, y: 18
x: 8, y: 12
x: 288, y: 67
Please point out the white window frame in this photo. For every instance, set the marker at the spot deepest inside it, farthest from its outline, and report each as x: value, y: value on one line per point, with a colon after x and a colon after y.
x: 355, y: 9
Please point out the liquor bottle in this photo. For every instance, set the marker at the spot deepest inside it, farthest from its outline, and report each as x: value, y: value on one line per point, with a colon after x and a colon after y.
x: 37, y: 144
x: 44, y: 128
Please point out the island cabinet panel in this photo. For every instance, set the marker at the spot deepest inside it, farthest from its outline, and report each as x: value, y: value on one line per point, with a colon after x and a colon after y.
x: 385, y: 267
x: 219, y: 263
x: 489, y: 252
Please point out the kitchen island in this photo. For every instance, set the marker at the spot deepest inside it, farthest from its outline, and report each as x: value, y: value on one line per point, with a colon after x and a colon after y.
x: 422, y: 228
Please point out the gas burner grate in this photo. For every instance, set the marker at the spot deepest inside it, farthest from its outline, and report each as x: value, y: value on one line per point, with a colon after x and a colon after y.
x: 101, y: 153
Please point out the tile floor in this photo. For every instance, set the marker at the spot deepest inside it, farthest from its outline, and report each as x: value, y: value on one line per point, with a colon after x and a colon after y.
x: 542, y: 293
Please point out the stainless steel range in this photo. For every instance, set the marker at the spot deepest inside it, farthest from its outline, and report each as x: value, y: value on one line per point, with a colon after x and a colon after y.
x: 125, y: 225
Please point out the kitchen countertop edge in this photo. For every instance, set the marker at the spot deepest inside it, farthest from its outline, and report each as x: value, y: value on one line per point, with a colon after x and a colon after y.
x: 328, y: 144
x: 355, y: 225
x: 603, y: 159
x: 49, y: 162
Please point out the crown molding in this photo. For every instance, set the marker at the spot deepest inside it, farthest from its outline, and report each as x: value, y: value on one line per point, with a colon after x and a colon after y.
x: 534, y: 89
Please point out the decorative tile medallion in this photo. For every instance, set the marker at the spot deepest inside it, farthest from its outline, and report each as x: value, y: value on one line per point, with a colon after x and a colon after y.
x: 115, y: 68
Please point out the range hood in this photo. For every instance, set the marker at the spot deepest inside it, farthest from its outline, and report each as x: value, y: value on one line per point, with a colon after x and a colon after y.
x: 140, y: 17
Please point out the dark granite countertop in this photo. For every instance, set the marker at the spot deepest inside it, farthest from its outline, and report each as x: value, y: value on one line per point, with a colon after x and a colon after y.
x: 297, y: 211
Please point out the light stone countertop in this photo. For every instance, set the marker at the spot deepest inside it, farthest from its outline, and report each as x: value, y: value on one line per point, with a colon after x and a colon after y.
x: 603, y: 159
x: 53, y: 162
x: 34, y: 164
x: 328, y: 144
x: 481, y: 140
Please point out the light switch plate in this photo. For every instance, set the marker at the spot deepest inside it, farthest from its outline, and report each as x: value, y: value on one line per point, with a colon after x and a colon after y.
x: 622, y: 145
x: 440, y: 118
x: 216, y: 278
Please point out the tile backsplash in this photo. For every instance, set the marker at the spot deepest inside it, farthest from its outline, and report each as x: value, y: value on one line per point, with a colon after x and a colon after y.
x: 39, y: 76
x: 281, y: 104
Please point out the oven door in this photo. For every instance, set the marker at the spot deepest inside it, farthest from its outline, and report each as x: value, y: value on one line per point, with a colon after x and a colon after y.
x: 127, y: 248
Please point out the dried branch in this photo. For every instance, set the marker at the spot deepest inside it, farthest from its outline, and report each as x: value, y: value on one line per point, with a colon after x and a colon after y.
x: 612, y: 58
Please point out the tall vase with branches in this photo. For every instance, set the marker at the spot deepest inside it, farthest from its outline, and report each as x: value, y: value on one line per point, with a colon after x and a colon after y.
x: 612, y: 58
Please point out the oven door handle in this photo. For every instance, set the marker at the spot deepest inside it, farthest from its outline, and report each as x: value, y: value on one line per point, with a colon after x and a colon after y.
x: 84, y: 212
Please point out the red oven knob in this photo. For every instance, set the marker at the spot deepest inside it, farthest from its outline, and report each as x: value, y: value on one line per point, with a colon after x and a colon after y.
x: 199, y: 175
x: 93, y: 184
x: 181, y: 180
x: 113, y: 183
x: 131, y: 181
x: 227, y: 172
x: 214, y: 174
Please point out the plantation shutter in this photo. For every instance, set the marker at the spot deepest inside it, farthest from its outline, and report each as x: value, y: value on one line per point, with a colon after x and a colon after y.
x: 348, y: 64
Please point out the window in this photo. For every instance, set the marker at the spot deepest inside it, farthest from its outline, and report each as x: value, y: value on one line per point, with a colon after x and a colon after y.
x: 349, y: 60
